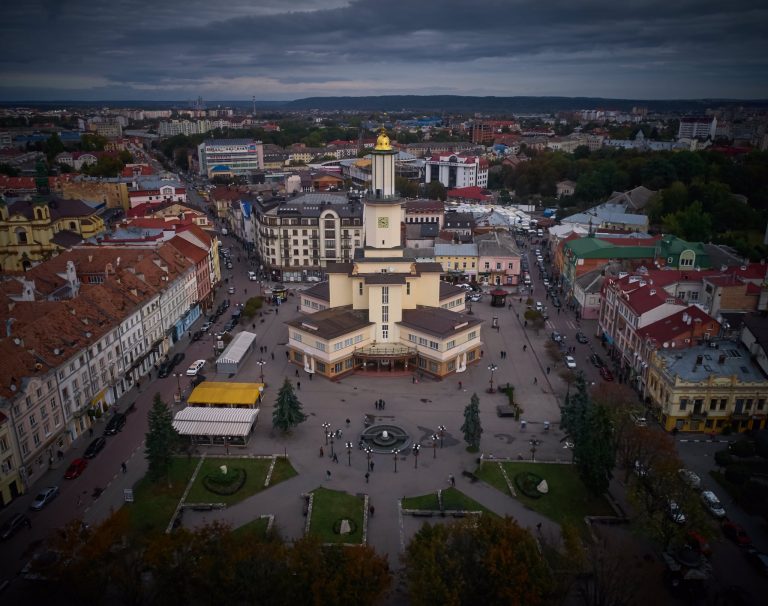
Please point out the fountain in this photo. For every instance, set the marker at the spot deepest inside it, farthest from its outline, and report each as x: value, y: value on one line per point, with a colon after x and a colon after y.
x: 383, y: 439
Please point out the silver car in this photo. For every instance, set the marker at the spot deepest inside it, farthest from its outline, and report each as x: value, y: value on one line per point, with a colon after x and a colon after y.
x: 712, y: 504
x: 45, y: 496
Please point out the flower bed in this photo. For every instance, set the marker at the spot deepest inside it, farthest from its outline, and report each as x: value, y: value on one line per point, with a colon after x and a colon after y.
x: 527, y: 482
x: 225, y: 483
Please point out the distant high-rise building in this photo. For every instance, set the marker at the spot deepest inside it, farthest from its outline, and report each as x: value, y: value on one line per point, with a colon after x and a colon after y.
x: 697, y: 127
x: 230, y: 157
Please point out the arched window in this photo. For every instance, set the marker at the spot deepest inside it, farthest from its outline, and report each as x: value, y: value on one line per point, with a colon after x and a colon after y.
x: 21, y: 236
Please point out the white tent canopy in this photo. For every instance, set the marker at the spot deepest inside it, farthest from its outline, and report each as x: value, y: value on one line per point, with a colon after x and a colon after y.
x: 236, y: 352
x: 199, y: 421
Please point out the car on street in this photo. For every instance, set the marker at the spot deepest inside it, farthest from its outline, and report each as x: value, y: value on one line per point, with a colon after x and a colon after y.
x: 252, y: 276
x: 13, y: 525
x: 197, y: 335
x: 698, y: 543
x: 556, y: 302
x: 712, y: 504
x: 195, y: 367
x: 691, y: 478
x: 606, y: 374
x: 539, y: 306
x: 759, y: 561
x: 45, y: 496
x: 596, y: 360
x: 736, y: 533
x: 475, y: 297
x: 557, y: 337
x: 570, y: 362
x: 95, y: 447
x: 581, y: 337
x: 75, y: 469
x: 115, y: 424
x: 206, y: 326
x: 231, y: 290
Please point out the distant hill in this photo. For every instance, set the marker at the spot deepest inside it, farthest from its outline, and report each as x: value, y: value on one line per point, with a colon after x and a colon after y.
x: 516, y: 105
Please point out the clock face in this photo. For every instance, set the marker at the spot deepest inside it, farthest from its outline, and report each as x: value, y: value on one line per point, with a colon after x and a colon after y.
x: 383, y: 221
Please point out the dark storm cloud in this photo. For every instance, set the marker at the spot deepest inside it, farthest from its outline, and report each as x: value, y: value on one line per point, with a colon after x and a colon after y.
x: 287, y: 49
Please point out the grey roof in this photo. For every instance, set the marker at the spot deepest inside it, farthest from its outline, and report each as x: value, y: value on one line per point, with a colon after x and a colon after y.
x: 633, y: 199
x: 420, y: 254
x: 607, y: 213
x: 495, y: 244
x: 455, y: 250
x: 429, y: 230
x: 737, y: 362
x: 230, y: 141
x: 438, y: 321
x: 320, y: 291
x: 455, y: 220
x: 448, y: 290
x: 334, y: 322
x: 314, y: 204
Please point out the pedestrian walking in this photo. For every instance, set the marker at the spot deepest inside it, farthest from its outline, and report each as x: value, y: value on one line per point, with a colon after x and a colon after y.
x: 371, y: 510
x: 322, y: 452
x: 273, y: 355
x: 335, y: 458
x: 535, y: 380
x: 287, y: 355
x: 348, y: 422
x: 525, y: 347
x: 124, y: 467
x: 327, y: 474
x: 371, y: 466
x: 297, y: 372
x: 538, y: 526
x: 367, y: 477
x: 547, y: 369
x: 298, y: 385
x: 311, y: 375
x: 460, y: 385
x: 452, y: 480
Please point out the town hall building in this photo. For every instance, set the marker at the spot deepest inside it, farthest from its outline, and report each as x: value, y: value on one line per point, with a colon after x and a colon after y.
x: 384, y: 312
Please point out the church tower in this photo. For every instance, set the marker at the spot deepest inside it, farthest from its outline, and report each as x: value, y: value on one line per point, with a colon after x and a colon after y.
x: 383, y: 207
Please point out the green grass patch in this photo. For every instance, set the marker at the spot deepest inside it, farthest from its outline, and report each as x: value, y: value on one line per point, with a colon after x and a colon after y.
x: 154, y: 503
x: 256, y: 529
x: 567, y: 501
x: 283, y: 471
x: 329, y: 506
x: 426, y: 501
x: 256, y: 472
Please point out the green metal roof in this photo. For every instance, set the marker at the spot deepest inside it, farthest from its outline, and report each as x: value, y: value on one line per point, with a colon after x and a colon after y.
x: 594, y: 248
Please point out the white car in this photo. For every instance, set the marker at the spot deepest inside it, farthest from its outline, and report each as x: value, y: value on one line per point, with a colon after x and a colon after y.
x: 712, y: 503
x: 252, y: 276
x: 570, y: 362
x: 539, y: 306
x: 206, y: 326
x: 195, y: 367
x: 231, y: 290
x: 691, y: 478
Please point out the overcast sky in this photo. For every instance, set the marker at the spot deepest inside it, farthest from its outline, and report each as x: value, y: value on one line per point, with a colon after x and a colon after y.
x: 288, y: 49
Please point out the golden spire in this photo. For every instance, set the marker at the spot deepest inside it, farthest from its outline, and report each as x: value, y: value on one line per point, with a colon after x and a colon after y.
x: 382, y: 142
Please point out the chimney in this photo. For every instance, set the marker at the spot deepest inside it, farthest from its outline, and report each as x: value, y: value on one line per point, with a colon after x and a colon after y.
x: 721, y: 359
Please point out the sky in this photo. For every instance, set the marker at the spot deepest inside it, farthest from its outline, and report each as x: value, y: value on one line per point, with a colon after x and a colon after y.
x: 289, y: 49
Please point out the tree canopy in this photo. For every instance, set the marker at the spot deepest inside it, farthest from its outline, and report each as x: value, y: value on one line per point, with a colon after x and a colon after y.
x: 471, y: 427
x: 162, y: 439
x: 287, y: 413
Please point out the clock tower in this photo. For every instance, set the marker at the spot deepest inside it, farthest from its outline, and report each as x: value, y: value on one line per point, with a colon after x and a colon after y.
x: 383, y: 207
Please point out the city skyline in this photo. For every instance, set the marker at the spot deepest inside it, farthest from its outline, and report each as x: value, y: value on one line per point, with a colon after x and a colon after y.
x: 644, y: 49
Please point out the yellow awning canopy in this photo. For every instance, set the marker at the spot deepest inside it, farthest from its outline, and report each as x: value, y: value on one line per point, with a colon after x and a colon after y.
x: 220, y: 393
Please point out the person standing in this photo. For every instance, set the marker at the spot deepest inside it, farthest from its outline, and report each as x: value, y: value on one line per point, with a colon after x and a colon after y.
x: 371, y: 466
x: 327, y: 474
x: 124, y: 467
x: 298, y: 385
x: 367, y: 477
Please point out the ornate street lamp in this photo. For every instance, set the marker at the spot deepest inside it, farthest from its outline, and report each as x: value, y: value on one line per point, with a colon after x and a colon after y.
x: 261, y: 364
x: 349, y: 453
x: 534, y: 443
x: 441, y: 430
x: 434, y: 445
x: 368, y: 452
x: 394, y: 458
x: 332, y: 436
x: 416, y: 448
x: 326, y: 428
x: 493, y: 368
x: 178, y: 376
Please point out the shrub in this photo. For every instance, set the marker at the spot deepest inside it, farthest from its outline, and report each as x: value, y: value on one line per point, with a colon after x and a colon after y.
x: 527, y: 482
x: 743, y: 448
x: 225, y: 484
x: 252, y: 306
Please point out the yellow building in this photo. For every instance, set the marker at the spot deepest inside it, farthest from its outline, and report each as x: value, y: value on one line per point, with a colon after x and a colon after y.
x: 459, y: 261
x: 33, y: 231
x: 384, y: 312
x: 113, y: 193
x: 708, y: 388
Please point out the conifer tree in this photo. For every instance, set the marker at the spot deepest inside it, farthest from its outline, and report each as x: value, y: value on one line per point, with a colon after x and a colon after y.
x: 162, y: 439
x: 471, y: 427
x: 287, y: 413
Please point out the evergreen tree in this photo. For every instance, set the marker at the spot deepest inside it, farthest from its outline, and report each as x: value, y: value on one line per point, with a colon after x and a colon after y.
x: 162, y: 440
x: 595, y: 450
x: 287, y: 413
x: 574, y: 409
x: 471, y: 427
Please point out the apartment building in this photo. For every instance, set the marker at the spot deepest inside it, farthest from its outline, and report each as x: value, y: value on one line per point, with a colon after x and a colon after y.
x: 697, y: 127
x: 230, y: 157
x: 457, y: 170
x: 297, y: 239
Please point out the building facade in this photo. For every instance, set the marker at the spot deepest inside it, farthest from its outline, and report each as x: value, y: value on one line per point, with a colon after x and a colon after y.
x: 230, y: 157
x: 457, y: 170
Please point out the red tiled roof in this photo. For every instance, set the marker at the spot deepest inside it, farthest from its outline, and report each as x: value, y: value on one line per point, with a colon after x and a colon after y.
x: 674, y: 326
x: 472, y: 193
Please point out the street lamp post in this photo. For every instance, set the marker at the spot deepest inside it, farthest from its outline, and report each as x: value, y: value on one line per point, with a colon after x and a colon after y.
x: 178, y: 384
x: 534, y: 443
x: 434, y: 445
x: 493, y: 368
x: 326, y: 427
x: 332, y: 436
x: 394, y: 458
x: 416, y: 448
x: 261, y: 364
x: 441, y: 429
x: 368, y: 452
x: 349, y: 453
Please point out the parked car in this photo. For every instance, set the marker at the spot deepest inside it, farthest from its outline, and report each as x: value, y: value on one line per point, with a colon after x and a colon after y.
x: 115, y: 424
x: 195, y: 367
x: 606, y: 373
x: 759, y: 560
x: 13, y: 525
x: 691, y: 478
x: 570, y: 362
x: 197, y: 335
x: 45, y: 496
x: 475, y: 297
x: 736, y: 533
x: 206, y: 326
x: 231, y: 290
x: 75, y: 469
x: 253, y: 277
x: 539, y: 306
x: 556, y: 302
x: 95, y: 447
x: 556, y: 336
x: 596, y: 360
x: 712, y: 504
x: 581, y: 337
x: 698, y: 543
x: 176, y: 360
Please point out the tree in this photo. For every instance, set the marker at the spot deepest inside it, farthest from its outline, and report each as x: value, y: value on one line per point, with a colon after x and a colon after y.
x: 471, y: 427
x: 436, y: 191
x: 691, y: 224
x: 483, y: 560
x: 162, y: 440
x: 287, y: 413
x: 406, y: 187
x: 594, y: 451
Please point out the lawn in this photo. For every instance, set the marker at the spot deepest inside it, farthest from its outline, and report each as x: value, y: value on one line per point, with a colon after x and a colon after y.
x: 329, y: 506
x: 256, y: 472
x: 255, y: 528
x: 453, y: 500
x: 567, y: 501
x: 154, y: 503
x: 283, y: 471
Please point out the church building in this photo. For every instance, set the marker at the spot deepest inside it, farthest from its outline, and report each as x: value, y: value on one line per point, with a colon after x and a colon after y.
x: 383, y: 312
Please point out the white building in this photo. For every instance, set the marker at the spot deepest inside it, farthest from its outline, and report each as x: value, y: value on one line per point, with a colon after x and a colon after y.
x: 458, y: 170
x: 230, y: 157
x: 693, y: 127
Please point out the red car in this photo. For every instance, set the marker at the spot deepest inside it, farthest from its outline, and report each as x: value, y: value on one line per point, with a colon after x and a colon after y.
x: 76, y: 468
x: 606, y: 374
x: 736, y: 533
